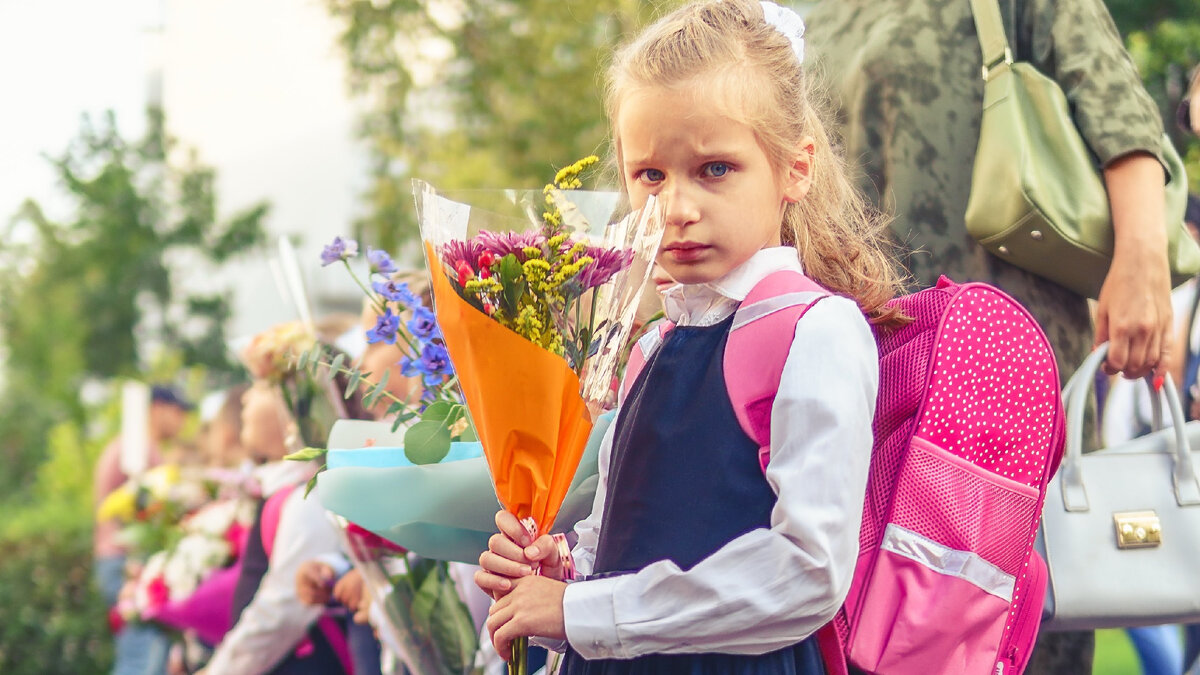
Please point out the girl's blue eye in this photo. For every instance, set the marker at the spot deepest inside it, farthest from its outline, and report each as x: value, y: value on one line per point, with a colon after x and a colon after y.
x: 652, y: 175
x: 716, y: 169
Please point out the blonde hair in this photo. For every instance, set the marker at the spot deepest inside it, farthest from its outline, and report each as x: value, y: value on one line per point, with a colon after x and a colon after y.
x: 753, y: 76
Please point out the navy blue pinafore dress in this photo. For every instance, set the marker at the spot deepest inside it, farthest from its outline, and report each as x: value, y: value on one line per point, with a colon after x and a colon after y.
x: 684, y: 480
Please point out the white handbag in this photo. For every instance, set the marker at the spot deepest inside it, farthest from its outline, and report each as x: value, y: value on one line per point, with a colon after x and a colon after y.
x: 1121, y: 526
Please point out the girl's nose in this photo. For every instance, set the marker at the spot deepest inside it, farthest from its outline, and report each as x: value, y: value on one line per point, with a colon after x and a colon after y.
x: 679, y: 207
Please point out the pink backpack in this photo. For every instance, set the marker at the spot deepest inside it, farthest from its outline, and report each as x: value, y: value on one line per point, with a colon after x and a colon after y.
x: 968, y: 430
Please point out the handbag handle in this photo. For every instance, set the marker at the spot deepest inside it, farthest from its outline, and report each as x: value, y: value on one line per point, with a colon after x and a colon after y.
x: 989, y: 25
x: 1187, y: 489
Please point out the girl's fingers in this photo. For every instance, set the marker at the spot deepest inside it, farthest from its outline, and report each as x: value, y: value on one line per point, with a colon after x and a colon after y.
x: 543, y: 550
x: 492, y: 584
x: 504, y: 547
x: 509, y: 525
x: 503, y: 566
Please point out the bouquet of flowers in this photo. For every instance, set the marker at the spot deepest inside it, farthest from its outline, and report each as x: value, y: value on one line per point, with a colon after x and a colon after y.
x: 535, y: 305
x: 151, y: 505
x: 189, y: 585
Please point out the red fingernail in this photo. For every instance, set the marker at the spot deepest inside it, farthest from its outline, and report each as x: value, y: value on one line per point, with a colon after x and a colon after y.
x: 1158, y: 382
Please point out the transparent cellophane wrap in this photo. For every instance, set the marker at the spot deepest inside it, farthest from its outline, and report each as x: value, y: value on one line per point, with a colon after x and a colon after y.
x: 415, y: 607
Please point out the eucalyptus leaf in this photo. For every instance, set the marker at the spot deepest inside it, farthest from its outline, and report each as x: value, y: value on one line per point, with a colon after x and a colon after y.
x: 373, y: 396
x: 394, y: 409
x: 338, y: 361
x: 352, y: 384
x: 302, y: 362
x: 306, y: 454
x: 438, y: 411
x: 427, y: 442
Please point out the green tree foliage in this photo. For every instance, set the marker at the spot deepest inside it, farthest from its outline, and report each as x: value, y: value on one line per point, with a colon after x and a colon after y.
x: 477, y: 93
x: 55, y: 619
x: 80, y: 299
x: 1164, y: 38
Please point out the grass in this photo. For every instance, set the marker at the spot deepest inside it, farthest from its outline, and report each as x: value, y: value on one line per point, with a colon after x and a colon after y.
x: 1115, y: 654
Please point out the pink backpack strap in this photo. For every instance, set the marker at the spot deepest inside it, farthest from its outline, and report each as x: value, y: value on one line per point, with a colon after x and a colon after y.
x: 272, y: 510
x: 760, y: 339
x: 640, y: 355
x: 269, y: 526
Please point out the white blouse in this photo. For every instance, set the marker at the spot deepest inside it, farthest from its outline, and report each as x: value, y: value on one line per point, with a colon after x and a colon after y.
x: 766, y: 589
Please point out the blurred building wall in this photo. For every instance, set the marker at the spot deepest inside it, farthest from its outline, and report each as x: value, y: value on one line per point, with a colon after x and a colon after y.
x: 258, y: 87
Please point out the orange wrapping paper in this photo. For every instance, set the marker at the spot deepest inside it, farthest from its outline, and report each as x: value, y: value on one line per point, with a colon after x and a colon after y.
x: 524, y: 401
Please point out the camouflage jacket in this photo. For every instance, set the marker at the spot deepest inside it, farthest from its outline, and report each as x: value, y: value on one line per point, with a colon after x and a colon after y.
x: 905, y: 79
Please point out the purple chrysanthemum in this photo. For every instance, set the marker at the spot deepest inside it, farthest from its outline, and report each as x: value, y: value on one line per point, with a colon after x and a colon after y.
x: 501, y: 244
x: 337, y: 250
x: 456, y: 251
x: 606, y: 262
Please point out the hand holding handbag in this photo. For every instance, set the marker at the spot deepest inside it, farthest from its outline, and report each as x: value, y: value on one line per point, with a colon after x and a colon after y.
x: 1121, y: 526
x: 1037, y: 197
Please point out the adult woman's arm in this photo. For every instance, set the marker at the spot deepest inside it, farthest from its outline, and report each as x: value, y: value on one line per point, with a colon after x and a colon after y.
x: 1134, y: 312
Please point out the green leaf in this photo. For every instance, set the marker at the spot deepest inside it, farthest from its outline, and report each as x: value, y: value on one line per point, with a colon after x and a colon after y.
x: 312, y: 483
x: 373, y: 395
x: 302, y: 362
x: 394, y: 409
x: 338, y: 361
x: 306, y: 454
x: 427, y: 442
x: 383, y: 381
x: 514, y: 286
x: 453, y: 631
x: 438, y: 411
x: 425, y: 601
x: 352, y: 384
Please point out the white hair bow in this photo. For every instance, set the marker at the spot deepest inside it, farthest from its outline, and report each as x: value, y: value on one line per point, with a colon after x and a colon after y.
x: 787, y: 22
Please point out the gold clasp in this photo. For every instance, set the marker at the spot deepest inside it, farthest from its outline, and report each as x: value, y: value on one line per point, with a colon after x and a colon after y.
x: 1138, y: 529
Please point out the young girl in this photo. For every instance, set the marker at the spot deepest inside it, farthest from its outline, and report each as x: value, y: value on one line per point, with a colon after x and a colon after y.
x: 695, y: 560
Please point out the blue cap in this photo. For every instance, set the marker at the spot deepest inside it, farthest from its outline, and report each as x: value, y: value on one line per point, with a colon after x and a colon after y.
x: 161, y: 393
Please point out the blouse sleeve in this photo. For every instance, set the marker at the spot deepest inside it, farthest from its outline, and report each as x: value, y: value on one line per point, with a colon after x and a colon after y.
x: 1077, y: 43
x: 276, y: 621
x: 736, y: 600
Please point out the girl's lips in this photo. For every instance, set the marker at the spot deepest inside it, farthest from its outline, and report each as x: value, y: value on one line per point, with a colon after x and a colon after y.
x: 685, y: 252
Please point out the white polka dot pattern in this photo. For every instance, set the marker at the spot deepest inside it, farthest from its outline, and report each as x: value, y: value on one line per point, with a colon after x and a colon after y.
x: 974, y: 378
x: 994, y: 392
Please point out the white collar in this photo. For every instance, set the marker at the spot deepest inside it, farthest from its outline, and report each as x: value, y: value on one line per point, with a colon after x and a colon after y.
x: 710, y: 303
x: 279, y: 474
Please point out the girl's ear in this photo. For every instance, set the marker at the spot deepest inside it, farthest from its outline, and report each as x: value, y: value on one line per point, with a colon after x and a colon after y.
x: 798, y: 179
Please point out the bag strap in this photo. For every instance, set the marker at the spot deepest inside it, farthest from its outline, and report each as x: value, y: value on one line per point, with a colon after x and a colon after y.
x: 992, y: 41
x: 272, y: 510
x: 760, y: 340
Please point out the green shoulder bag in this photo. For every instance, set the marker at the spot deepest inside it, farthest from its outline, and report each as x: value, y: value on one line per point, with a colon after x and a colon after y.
x: 1037, y: 195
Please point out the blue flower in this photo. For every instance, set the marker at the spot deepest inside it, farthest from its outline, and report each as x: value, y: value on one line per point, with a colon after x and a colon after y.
x: 397, y: 291
x: 381, y: 262
x: 337, y: 250
x: 423, y: 325
x: 386, y: 325
x: 435, y: 363
x: 432, y: 366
